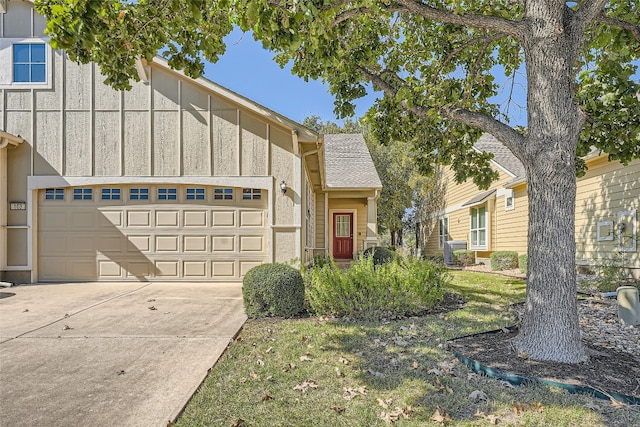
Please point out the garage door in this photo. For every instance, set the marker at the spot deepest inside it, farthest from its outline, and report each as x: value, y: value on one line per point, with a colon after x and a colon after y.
x: 144, y: 233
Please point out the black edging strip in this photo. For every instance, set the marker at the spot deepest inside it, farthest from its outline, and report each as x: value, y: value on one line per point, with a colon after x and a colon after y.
x: 518, y: 380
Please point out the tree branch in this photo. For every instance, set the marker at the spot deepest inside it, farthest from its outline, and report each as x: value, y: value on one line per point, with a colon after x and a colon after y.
x: 633, y: 29
x: 501, y: 25
x: 348, y: 14
x: 505, y: 134
x: 456, y: 51
x: 588, y: 11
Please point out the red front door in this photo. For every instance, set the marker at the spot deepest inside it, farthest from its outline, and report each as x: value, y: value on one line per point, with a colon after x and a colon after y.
x: 343, y: 235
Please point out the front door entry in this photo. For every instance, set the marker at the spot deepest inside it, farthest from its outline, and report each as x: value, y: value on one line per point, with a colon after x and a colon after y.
x: 343, y: 235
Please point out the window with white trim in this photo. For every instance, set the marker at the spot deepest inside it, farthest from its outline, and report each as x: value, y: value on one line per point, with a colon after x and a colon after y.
x: 223, y: 193
x: 251, y: 194
x: 478, y: 229
x: 167, y: 193
x: 139, y: 194
x: 443, y: 231
x: 110, y: 194
x: 82, y: 194
x: 29, y: 63
x: 195, y: 193
x: 509, y: 200
x: 54, y: 194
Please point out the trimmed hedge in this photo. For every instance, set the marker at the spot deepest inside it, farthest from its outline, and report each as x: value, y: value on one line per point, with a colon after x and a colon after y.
x: 380, y: 254
x: 273, y: 290
x: 504, y: 260
x: 464, y: 257
x: 522, y: 262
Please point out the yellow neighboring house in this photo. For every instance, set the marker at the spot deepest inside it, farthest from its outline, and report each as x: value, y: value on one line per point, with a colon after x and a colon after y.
x: 607, y: 202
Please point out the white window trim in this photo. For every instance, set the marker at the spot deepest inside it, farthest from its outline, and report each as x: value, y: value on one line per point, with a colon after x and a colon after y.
x: 440, y: 239
x: 6, y: 64
x: 509, y: 195
x: 484, y: 247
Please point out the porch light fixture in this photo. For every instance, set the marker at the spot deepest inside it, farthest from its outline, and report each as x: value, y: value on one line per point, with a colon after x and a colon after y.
x: 283, y: 187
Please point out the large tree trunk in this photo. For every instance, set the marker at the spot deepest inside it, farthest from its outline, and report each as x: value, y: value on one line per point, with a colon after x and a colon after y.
x: 550, y: 327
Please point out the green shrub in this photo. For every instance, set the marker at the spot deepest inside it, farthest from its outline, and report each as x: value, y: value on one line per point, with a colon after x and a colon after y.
x: 504, y: 260
x: 403, y: 287
x: 273, y: 290
x: 381, y: 255
x: 464, y: 257
x: 522, y: 262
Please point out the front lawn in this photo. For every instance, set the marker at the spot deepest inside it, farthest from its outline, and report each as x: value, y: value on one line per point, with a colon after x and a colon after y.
x: 327, y: 372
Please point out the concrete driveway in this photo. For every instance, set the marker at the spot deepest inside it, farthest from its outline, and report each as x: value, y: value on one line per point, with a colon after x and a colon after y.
x: 110, y: 354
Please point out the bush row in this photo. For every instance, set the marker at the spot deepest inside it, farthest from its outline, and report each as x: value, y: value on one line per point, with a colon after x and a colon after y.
x: 370, y: 288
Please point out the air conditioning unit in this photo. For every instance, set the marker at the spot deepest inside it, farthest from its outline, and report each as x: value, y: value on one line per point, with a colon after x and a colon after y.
x: 449, y: 247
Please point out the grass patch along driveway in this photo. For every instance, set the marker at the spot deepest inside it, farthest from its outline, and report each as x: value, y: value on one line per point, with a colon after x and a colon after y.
x: 331, y: 372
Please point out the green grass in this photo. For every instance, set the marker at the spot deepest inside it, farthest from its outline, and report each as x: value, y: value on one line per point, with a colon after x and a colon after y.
x: 328, y: 372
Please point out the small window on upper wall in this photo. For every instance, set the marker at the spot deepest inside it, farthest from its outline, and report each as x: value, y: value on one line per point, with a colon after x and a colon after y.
x: 29, y: 63
x: 251, y: 194
x: 509, y: 200
x: 223, y: 193
x: 195, y: 193
x: 54, y: 194
x: 139, y: 194
x: 82, y: 194
x: 110, y: 194
x: 167, y: 193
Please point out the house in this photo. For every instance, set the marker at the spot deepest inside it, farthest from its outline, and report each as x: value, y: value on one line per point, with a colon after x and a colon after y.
x: 607, y: 202
x: 178, y: 178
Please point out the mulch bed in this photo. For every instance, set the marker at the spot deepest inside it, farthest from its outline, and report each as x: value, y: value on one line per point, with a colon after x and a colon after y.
x: 606, y: 369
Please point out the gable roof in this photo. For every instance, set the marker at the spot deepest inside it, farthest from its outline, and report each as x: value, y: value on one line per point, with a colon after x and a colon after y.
x: 348, y: 162
x: 501, y: 155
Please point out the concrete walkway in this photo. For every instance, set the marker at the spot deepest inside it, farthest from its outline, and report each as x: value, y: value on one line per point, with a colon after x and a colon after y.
x: 110, y: 354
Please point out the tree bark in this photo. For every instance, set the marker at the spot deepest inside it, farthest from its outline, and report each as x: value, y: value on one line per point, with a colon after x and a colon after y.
x: 550, y: 328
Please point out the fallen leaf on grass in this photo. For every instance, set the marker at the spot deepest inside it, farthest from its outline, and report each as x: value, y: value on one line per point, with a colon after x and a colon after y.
x: 441, y: 416
x: 522, y: 355
x: 519, y: 407
x: 269, y: 350
x: 254, y: 375
x: 303, y: 387
x: 289, y: 367
x: 267, y: 398
x: 393, y: 416
x: 237, y: 423
x: 384, y: 403
x: 415, y: 365
x: 305, y: 358
x: 472, y: 376
x: 344, y: 360
x: 339, y: 373
x: 376, y: 373
x: 441, y: 387
x: 351, y: 393
x: 260, y: 362
x: 477, y: 396
x: 338, y: 409
x: 493, y: 419
x: 616, y: 403
x: 434, y: 371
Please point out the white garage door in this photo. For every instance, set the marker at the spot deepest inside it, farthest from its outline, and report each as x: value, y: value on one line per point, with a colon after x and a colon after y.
x: 150, y: 233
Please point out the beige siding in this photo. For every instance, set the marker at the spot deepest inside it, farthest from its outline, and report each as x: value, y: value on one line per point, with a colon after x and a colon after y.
x: 512, y: 226
x: 320, y: 221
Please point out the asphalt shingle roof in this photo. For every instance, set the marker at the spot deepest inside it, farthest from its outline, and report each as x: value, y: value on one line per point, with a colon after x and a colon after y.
x: 501, y: 154
x: 348, y: 162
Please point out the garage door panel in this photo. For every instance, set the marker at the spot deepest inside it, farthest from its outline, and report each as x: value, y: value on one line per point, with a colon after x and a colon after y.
x: 53, y: 220
x: 195, y: 243
x: 167, y: 218
x: 84, y: 269
x: 247, y: 265
x: 166, y: 243
x: 223, y: 244
x: 82, y: 244
x: 251, y: 243
x: 195, y: 218
x: 224, y: 219
x: 140, y: 269
x: 167, y: 269
x: 251, y: 219
x: 139, y: 218
x: 85, y: 219
x: 111, y: 218
x: 195, y: 269
x: 223, y: 268
x: 53, y: 244
x: 139, y: 244
x: 110, y: 243
x: 109, y: 269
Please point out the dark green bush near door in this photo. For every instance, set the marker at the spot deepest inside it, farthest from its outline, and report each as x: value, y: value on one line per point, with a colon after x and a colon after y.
x: 381, y: 255
x: 504, y: 260
x: 273, y: 290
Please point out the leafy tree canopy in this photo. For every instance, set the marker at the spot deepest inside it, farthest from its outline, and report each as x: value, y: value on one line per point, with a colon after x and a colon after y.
x: 434, y: 60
